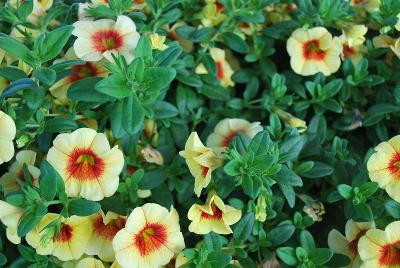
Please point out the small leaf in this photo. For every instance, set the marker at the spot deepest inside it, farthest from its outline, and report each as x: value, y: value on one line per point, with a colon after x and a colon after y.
x: 83, y: 207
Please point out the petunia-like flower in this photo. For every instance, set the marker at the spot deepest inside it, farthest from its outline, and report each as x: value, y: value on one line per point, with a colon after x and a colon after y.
x: 378, y: 248
x: 384, y: 166
x: 202, y: 161
x: 105, y: 227
x: 348, y: 245
x: 78, y: 72
x: 10, y: 216
x: 7, y: 135
x: 70, y: 242
x: 212, y: 13
x: 224, y: 69
x: 89, y: 262
x: 314, y: 50
x: 291, y: 120
x: 213, y: 216
x: 104, y: 37
x: 150, y: 238
x: 88, y: 166
x: 355, y: 34
x: 9, y: 180
x: 367, y: 5
x: 228, y: 128
x: 354, y: 53
x: 158, y: 41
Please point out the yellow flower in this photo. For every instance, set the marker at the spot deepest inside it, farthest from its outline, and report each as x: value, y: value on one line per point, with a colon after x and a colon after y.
x: 379, y: 248
x: 150, y: 131
x: 261, y: 208
x: 157, y: 41
x: 384, y: 166
x: 89, y: 262
x: 69, y: 243
x: 291, y: 120
x: 314, y: 50
x: 368, y: 5
x: 211, y: 14
x: 8, y: 180
x: 104, y: 37
x: 224, y: 69
x: 228, y: 128
x: 348, y: 245
x: 383, y: 41
x: 354, y: 53
x: 355, y: 34
x: 202, y: 161
x: 7, y: 135
x: 150, y: 238
x: 104, y: 227
x: 88, y: 166
x: 10, y: 217
x: 78, y: 72
x: 279, y: 12
x: 213, y: 216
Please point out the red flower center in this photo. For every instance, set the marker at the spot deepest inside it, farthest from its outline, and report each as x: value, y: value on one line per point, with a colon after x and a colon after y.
x: 394, y: 164
x: 312, y: 50
x: 348, y: 51
x: 220, y: 7
x: 21, y: 177
x: 220, y: 70
x: 151, y: 238
x: 83, y: 71
x: 353, y: 245
x: 107, y: 40
x: 217, y: 213
x: 84, y: 164
x: 390, y: 254
x: 230, y: 137
x: 110, y: 230
x: 204, y: 171
x: 65, y: 233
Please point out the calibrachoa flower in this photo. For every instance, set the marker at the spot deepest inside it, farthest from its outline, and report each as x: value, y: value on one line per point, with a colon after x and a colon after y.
x: 384, y: 166
x: 89, y: 263
x: 213, y: 216
x: 314, y: 50
x: 348, y: 245
x: 211, y: 14
x: 102, y: 38
x: 228, y: 128
x: 9, y: 180
x: 88, y: 166
x: 69, y: 243
x: 150, y: 238
x: 105, y: 227
x: 202, y: 161
x: 355, y: 34
x: 354, y: 53
x: 7, y: 135
x: 224, y: 69
x: 10, y: 216
x: 379, y: 248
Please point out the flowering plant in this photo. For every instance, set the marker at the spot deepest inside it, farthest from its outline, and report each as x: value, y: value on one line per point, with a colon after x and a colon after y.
x: 200, y: 133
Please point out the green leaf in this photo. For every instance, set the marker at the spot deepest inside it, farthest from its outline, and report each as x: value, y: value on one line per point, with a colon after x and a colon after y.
x: 287, y: 255
x: 331, y: 105
x: 30, y: 219
x: 260, y: 144
x: 27, y: 253
x: 216, y: 92
x: 133, y: 115
x: 168, y: 56
x: 307, y: 240
x: 56, y: 125
x: 251, y: 185
x: 319, y: 170
x: 55, y: 41
x: 244, y: 227
x: 392, y: 208
x: 48, y: 181
x: 18, y: 85
x: 338, y: 260
x: 288, y: 177
x: 12, y: 73
x: 85, y: 90
x: 280, y: 234
x: 16, y: 49
x: 319, y: 256
x: 83, y: 207
x: 143, y: 48
x: 289, y: 194
x: 45, y: 75
x: 157, y: 78
x: 290, y: 149
x: 232, y: 168
x: 114, y: 86
x: 218, y: 259
x: 163, y: 110
x: 376, y: 112
x: 235, y: 43
x: 25, y: 9
x: 345, y: 191
x: 369, y: 188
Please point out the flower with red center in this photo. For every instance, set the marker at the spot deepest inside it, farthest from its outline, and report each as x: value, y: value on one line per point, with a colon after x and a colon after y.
x: 212, y: 13
x: 105, y: 227
x: 70, y: 241
x: 9, y: 180
x: 384, y: 166
x: 10, y: 216
x: 314, y: 50
x: 150, y: 238
x: 213, y: 216
x: 228, y: 128
x: 379, y: 248
x: 348, y: 245
x: 224, y: 69
x: 102, y: 38
x: 7, y: 135
x: 88, y: 166
x: 202, y: 161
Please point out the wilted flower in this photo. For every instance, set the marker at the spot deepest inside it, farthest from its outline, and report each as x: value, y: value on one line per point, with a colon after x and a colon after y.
x: 7, y: 135
x: 151, y: 237
x: 152, y: 156
x: 88, y: 166
x: 10, y: 216
x: 315, y: 210
x: 291, y: 120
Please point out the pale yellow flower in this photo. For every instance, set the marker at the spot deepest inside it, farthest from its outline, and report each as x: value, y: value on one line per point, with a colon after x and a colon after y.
x: 89, y: 262
x: 150, y: 238
x: 314, y: 50
x: 291, y: 120
x: 367, y: 5
x: 202, y: 161
x: 355, y: 34
x: 213, y: 216
x: 158, y: 41
x: 7, y: 135
x: 211, y: 14
x: 88, y: 166
x: 354, y: 53
x: 10, y: 216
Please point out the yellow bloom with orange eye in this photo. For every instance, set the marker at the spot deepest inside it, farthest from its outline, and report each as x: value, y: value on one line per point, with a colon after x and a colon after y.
x: 202, y: 161
x: 150, y: 239
x: 213, y: 216
x: 226, y: 129
x: 88, y: 166
x: 378, y: 248
x: 105, y: 227
x: 89, y: 262
x: 70, y: 241
x: 7, y: 135
x: 355, y: 34
x: 78, y: 72
x: 384, y: 166
x: 9, y: 180
x: 10, y: 216
x: 211, y: 14
x: 354, y: 53
x: 224, y: 69
x: 314, y: 50
x: 348, y: 245
x: 102, y: 38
